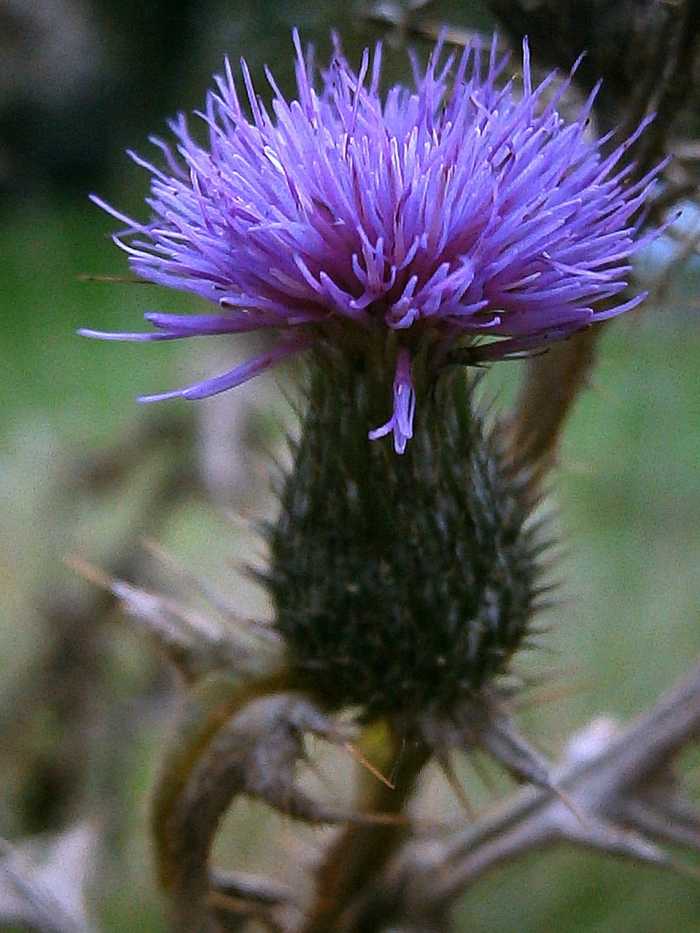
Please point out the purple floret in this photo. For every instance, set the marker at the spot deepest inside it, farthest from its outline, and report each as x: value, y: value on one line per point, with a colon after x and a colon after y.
x: 449, y: 212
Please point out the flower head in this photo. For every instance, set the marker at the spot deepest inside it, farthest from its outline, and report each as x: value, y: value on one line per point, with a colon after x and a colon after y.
x: 441, y: 214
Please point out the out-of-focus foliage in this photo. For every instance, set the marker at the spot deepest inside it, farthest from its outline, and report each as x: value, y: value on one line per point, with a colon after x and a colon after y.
x: 84, y: 709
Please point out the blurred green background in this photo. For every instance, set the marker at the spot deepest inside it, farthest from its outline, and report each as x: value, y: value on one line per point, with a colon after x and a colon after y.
x: 84, y: 707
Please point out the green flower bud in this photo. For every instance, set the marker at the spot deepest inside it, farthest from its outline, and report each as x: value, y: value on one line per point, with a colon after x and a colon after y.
x: 401, y: 584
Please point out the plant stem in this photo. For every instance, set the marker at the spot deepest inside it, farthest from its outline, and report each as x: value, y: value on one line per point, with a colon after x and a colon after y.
x: 359, y: 853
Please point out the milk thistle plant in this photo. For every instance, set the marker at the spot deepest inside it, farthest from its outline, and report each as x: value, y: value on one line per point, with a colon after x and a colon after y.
x: 395, y: 240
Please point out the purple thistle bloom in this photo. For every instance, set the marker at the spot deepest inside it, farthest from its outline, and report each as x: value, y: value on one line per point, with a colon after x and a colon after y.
x: 442, y: 214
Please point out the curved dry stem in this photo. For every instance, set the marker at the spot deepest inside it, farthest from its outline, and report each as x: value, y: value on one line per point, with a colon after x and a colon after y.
x: 204, y: 770
x: 552, y: 383
x: 237, y: 738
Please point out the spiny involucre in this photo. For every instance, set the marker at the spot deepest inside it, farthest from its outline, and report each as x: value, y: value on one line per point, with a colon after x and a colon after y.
x: 433, y: 218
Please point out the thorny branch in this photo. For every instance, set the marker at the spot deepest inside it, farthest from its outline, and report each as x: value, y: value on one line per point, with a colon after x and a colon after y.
x: 627, y: 799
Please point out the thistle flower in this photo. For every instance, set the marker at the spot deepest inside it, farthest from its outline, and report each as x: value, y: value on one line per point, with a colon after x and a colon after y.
x: 427, y: 219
